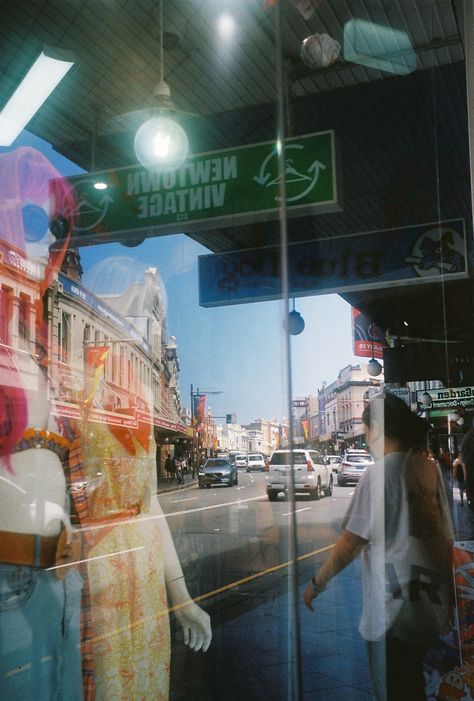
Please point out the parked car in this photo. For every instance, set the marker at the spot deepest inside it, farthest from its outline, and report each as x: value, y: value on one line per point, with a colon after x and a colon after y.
x: 353, y: 465
x: 311, y: 475
x: 240, y: 461
x: 333, y: 461
x: 255, y: 461
x: 217, y: 471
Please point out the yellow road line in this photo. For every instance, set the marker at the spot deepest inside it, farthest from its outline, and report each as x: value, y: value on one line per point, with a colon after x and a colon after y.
x: 210, y: 594
x: 251, y: 577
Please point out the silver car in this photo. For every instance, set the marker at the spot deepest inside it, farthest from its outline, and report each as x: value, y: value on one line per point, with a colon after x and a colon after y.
x: 217, y: 471
x: 353, y: 465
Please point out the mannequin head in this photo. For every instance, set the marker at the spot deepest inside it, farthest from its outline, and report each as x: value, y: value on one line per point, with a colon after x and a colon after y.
x: 36, y: 212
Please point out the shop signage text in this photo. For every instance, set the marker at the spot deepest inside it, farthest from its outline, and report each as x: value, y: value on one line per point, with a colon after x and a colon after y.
x: 423, y: 253
x: 446, y: 398
x: 210, y: 190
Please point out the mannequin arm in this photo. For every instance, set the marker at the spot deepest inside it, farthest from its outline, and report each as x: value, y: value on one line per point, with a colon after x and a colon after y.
x: 194, y: 621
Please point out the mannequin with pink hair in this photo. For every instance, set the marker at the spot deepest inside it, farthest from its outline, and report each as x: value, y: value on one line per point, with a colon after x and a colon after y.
x: 40, y: 652
x: 115, y: 643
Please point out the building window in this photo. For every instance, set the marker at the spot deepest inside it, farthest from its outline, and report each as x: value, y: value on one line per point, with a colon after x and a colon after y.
x: 24, y: 332
x: 4, y: 302
x: 64, y: 337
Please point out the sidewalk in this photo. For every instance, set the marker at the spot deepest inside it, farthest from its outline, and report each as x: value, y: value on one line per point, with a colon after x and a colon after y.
x: 166, y: 485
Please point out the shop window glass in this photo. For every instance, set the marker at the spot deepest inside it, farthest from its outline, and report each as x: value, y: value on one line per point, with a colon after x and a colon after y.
x: 309, y: 255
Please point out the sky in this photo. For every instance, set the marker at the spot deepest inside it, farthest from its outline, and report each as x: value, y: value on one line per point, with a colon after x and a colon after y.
x: 237, y: 351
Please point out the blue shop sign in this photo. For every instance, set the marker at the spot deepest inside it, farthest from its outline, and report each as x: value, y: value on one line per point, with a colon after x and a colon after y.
x: 408, y: 255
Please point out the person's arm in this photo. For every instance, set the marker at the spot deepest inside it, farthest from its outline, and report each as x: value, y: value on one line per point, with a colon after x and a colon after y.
x: 346, y: 548
x: 194, y: 621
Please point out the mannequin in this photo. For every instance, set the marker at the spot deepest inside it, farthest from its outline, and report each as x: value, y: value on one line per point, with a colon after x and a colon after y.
x: 39, y: 611
x: 133, y: 566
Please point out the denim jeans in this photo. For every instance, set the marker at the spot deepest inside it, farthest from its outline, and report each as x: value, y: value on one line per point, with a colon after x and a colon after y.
x: 40, y: 656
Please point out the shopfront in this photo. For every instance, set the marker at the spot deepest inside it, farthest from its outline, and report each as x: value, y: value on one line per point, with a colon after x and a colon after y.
x: 226, y: 228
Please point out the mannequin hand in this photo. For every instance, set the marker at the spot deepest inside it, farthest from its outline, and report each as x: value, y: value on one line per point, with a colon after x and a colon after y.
x: 196, y: 625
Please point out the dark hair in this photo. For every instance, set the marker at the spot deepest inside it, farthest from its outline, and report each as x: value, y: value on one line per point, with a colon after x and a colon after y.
x: 400, y: 423
x: 467, y: 449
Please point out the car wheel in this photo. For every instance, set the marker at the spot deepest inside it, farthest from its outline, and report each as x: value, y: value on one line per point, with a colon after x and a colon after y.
x: 328, y: 490
x: 341, y: 482
x: 236, y: 479
x: 201, y: 486
x: 208, y: 486
x: 272, y: 494
x: 316, y: 492
x: 248, y: 469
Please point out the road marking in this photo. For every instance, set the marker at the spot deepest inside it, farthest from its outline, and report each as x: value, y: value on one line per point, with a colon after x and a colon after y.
x: 152, y: 517
x: 97, y: 557
x: 257, y: 575
x: 243, y: 487
x: 166, y: 611
x: 307, y: 508
x: 178, y: 501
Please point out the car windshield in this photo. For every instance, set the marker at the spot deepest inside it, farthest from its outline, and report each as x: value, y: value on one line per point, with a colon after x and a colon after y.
x: 285, y: 458
x: 359, y: 458
x: 217, y: 462
x: 255, y: 458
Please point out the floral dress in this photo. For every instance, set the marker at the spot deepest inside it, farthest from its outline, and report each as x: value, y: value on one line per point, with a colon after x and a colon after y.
x: 129, y: 609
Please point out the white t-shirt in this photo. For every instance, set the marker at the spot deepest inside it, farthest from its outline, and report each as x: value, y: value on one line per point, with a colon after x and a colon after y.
x: 400, y: 508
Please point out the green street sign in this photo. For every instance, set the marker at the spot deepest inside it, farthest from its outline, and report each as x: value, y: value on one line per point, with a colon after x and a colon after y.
x: 210, y: 190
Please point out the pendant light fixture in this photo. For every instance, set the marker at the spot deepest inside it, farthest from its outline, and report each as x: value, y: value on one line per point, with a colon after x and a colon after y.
x: 295, y: 324
x: 374, y: 368
x: 161, y: 144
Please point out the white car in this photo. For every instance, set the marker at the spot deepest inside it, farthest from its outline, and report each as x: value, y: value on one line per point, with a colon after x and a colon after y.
x: 353, y: 465
x: 311, y: 474
x: 255, y: 461
x: 240, y: 461
x: 334, y: 461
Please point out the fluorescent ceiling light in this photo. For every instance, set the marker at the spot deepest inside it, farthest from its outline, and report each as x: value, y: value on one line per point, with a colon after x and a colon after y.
x: 38, y: 84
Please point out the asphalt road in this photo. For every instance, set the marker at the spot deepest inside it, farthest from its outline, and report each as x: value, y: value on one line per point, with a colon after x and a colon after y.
x: 225, y: 534
x: 233, y: 546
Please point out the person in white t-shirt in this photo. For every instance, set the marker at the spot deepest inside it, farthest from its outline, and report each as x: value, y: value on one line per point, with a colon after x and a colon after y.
x: 399, y: 521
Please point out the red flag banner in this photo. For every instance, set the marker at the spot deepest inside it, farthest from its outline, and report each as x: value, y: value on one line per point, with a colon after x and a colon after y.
x: 305, y: 426
x: 199, y: 410
x: 95, y: 363
x: 367, y: 338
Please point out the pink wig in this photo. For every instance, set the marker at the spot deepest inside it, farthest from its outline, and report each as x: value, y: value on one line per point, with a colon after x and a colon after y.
x: 26, y: 175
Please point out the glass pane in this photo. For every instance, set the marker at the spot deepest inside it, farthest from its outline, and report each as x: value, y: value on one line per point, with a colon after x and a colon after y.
x: 235, y: 262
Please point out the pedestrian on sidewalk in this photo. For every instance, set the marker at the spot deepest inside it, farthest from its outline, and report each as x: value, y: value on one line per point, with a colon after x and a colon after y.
x: 459, y: 474
x: 467, y: 456
x: 168, y: 466
x: 399, y: 521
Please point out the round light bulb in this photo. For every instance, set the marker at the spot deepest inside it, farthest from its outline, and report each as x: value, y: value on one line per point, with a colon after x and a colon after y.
x: 373, y: 367
x: 295, y: 324
x: 161, y: 144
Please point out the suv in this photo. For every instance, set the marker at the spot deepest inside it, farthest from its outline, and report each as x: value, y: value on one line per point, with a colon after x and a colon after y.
x: 217, y: 471
x: 311, y: 475
x: 353, y: 466
x: 255, y: 461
